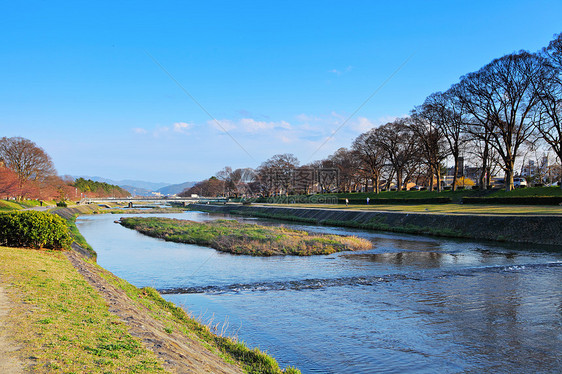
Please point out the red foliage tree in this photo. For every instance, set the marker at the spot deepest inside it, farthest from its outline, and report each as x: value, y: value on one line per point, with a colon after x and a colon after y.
x: 9, y: 183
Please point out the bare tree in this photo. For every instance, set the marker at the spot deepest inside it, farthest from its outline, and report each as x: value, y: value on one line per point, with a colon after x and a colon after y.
x: 276, y: 173
x: 23, y: 156
x: 501, y: 100
x: 423, y: 122
x: 549, y: 92
x: 347, y: 163
x: 30, y: 162
x: 210, y: 187
x: 450, y: 117
x: 399, y: 143
x: 372, y: 156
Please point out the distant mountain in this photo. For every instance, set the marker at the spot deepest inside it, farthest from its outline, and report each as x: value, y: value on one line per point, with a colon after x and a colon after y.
x: 151, y: 186
x: 135, y: 191
x: 175, y: 189
x: 144, y: 188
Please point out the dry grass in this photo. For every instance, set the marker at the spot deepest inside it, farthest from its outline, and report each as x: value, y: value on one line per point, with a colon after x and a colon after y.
x: 242, y: 238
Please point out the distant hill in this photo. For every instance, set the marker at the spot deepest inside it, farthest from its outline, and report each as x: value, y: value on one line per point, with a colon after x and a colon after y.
x: 144, y: 188
x: 135, y: 191
x: 175, y: 188
x: 150, y: 186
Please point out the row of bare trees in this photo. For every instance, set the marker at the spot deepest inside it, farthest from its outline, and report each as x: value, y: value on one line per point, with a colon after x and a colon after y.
x: 491, y: 114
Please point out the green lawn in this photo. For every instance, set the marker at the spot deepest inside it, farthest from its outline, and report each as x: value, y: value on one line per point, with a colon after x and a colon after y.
x: 445, y: 208
x: 455, y: 196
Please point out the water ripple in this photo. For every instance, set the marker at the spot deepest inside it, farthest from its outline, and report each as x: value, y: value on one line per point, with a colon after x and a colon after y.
x: 313, y: 284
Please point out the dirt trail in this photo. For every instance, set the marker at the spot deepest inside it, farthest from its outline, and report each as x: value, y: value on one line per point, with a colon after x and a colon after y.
x: 179, y: 353
x: 9, y: 362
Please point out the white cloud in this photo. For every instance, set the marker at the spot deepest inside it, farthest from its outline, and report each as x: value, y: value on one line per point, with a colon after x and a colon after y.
x: 363, y: 124
x: 253, y: 126
x: 222, y: 125
x: 139, y: 130
x: 181, y: 127
x: 303, y: 117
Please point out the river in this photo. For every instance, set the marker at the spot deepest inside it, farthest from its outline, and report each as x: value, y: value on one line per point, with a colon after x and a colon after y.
x: 411, y: 304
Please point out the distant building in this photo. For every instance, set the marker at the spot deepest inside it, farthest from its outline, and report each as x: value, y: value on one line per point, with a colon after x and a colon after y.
x: 532, y: 170
x: 470, y: 172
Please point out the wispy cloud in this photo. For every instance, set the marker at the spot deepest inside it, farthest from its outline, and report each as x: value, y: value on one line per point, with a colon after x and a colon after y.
x: 222, y: 125
x: 182, y: 127
x: 139, y: 130
x: 363, y: 124
x: 250, y: 125
x: 253, y: 126
x: 339, y: 72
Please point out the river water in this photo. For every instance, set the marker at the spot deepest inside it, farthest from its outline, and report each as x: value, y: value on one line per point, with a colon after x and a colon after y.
x: 410, y: 305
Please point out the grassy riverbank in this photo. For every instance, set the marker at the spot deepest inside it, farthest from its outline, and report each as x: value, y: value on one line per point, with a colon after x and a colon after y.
x: 177, y: 321
x: 241, y: 238
x: 70, y: 315
x: 521, y: 228
x: 472, y: 209
x: 62, y: 323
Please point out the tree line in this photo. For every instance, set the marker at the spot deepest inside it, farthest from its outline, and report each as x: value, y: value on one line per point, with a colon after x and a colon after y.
x: 27, y: 172
x: 492, y: 116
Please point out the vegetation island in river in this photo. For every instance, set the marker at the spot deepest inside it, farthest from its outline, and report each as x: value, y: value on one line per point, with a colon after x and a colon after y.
x: 242, y: 238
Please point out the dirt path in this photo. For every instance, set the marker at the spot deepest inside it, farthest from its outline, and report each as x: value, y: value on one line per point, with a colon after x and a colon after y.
x: 9, y: 363
x: 179, y: 353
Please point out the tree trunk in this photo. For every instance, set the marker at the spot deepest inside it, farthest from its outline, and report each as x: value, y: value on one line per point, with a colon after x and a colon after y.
x: 376, y: 183
x: 484, y: 174
x: 455, y: 173
x: 509, y: 179
x: 398, y: 180
x: 430, y: 175
x: 438, y: 173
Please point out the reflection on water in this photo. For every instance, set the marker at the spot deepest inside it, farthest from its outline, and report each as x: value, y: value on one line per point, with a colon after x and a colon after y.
x: 417, y: 259
x: 410, y: 304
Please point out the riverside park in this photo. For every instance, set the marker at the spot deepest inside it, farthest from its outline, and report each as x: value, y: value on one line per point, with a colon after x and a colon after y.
x: 281, y: 187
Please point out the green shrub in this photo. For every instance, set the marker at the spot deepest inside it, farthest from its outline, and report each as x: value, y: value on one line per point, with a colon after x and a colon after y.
x: 33, y: 229
x: 62, y: 204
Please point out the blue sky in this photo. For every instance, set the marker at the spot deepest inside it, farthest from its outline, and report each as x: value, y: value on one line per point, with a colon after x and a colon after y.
x: 78, y: 78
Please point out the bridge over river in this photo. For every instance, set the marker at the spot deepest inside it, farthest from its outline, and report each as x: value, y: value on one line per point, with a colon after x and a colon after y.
x: 151, y: 200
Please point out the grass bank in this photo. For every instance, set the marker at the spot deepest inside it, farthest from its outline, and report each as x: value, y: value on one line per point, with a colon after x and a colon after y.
x: 372, y: 224
x: 149, y: 210
x: 62, y: 323
x: 520, y: 228
x: 242, y: 238
x: 9, y: 205
x: 470, y: 209
x: 416, y: 197
x: 177, y: 320
x: 70, y: 214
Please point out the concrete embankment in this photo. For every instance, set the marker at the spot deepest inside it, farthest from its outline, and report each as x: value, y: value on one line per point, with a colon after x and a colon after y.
x: 510, y: 228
